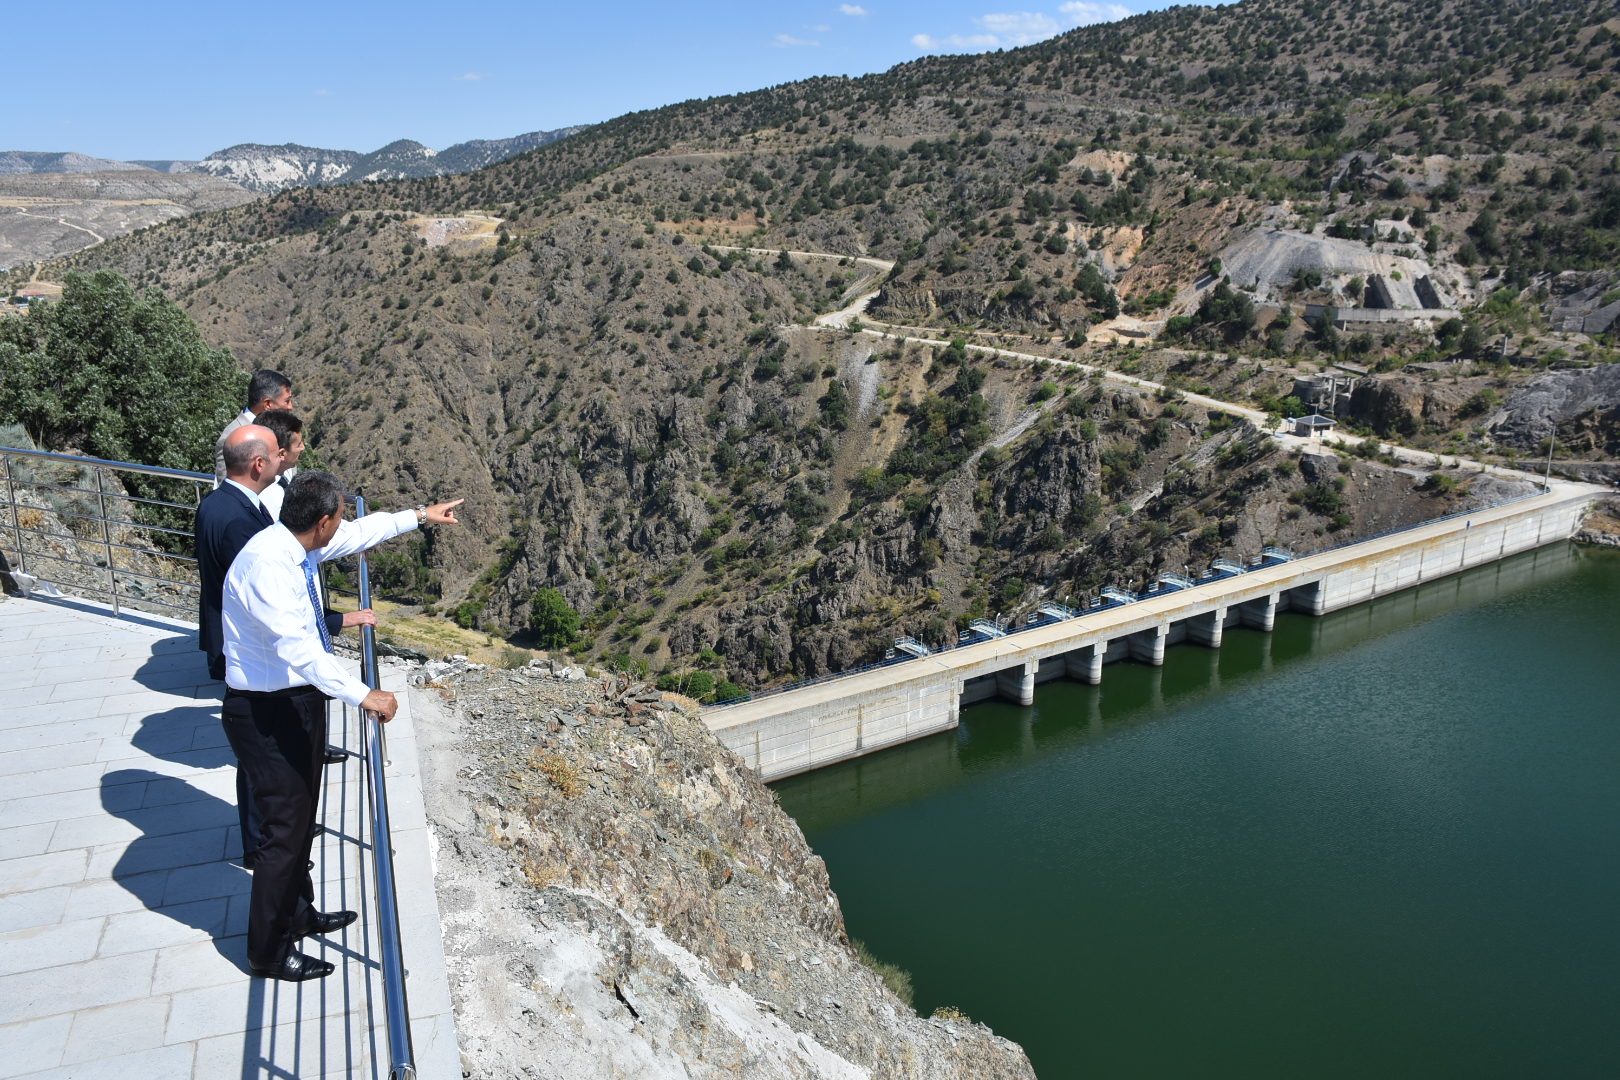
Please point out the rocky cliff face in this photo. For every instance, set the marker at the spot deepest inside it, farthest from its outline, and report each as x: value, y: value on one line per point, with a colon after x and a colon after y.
x: 622, y: 897
x: 1580, y: 408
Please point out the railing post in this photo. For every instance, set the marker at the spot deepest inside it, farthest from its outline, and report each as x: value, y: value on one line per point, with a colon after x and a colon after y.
x: 401, y: 1058
x: 16, y: 515
x: 106, y: 536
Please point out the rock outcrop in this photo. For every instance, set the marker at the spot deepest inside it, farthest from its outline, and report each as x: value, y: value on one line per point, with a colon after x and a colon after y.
x: 622, y: 897
x: 1580, y: 407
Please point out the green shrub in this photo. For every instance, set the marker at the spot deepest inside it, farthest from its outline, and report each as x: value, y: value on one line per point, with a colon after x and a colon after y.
x: 895, y: 977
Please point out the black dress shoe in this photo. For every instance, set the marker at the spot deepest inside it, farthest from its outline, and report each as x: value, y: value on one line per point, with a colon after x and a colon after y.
x: 334, y: 755
x: 295, y: 967
x: 326, y: 922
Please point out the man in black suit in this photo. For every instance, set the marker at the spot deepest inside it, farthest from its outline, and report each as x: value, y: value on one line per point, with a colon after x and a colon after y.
x: 227, y: 518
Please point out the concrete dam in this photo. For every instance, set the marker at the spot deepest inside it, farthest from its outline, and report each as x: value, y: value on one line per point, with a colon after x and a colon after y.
x: 804, y: 728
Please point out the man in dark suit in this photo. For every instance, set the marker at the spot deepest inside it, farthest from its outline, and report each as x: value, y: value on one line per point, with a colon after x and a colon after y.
x: 227, y: 518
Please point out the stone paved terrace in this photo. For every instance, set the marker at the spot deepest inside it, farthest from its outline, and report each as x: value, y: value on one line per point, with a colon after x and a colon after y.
x: 122, y: 915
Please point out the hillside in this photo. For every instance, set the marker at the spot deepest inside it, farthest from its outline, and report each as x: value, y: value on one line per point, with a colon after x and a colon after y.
x: 1222, y: 199
x: 45, y: 215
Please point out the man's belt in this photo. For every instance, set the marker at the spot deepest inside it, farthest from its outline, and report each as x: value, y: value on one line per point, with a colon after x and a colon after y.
x: 288, y: 692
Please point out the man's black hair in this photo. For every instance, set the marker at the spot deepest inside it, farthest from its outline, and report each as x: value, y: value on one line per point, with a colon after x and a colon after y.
x: 265, y: 385
x: 310, y: 497
x: 282, y: 423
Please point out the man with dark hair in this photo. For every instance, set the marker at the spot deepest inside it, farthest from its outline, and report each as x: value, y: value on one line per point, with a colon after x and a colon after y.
x: 267, y: 390
x: 279, y: 673
x: 288, y: 430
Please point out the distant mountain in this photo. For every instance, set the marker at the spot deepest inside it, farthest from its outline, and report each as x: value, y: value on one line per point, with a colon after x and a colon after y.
x: 478, y: 153
x: 167, y: 166
x: 13, y: 162
x: 269, y: 169
x: 262, y: 168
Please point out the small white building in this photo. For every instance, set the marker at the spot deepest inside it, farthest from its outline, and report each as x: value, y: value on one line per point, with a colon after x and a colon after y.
x: 1313, y: 426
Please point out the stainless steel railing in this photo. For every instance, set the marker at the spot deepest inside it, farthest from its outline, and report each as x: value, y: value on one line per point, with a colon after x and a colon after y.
x: 401, y: 1057
x: 46, y: 492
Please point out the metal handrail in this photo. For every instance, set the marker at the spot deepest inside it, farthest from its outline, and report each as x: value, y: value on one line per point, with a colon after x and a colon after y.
x: 395, y: 1006
x: 106, y: 519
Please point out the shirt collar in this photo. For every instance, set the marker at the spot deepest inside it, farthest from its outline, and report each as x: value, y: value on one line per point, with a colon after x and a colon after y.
x: 253, y: 496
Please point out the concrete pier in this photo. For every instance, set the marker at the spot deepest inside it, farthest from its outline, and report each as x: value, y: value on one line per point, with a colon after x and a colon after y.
x: 1148, y: 645
x: 1261, y: 613
x: 1017, y: 684
x: 1086, y: 664
x: 1207, y: 629
x: 797, y: 730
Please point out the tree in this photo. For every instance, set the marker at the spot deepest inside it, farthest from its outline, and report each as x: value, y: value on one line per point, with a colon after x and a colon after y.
x: 117, y: 374
x: 554, y: 621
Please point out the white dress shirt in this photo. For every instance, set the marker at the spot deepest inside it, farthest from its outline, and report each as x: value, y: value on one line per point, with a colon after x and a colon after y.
x: 272, y: 497
x: 271, y: 638
x: 255, y: 498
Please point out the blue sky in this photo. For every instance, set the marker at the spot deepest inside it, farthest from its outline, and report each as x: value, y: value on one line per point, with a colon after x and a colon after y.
x: 181, y: 80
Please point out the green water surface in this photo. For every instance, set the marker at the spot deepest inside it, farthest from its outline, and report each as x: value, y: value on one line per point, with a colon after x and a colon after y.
x: 1381, y: 843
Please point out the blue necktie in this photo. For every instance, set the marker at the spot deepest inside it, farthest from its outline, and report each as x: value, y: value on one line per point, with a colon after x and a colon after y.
x: 315, y: 601
x: 264, y: 515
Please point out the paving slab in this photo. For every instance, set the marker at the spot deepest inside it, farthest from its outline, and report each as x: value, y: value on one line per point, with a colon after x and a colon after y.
x: 122, y: 915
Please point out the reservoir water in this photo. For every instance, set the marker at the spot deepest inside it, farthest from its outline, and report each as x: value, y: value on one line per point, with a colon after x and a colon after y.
x: 1385, y: 842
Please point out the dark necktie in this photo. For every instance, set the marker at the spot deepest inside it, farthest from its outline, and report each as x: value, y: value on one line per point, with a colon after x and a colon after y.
x: 315, y: 601
x: 264, y: 515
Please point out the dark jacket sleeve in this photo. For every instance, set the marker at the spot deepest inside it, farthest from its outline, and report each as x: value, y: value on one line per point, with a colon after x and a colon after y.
x: 334, y: 621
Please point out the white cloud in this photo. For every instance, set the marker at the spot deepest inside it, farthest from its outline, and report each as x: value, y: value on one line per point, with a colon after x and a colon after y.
x: 323, y: 93
x: 1010, y: 29
x: 1080, y: 13
x: 788, y: 41
x: 852, y: 9
x: 954, y: 42
x: 821, y: 29
x: 471, y: 76
x: 1019, y: 27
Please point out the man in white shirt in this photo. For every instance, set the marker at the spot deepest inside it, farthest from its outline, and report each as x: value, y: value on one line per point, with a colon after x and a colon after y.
x: 267, y: 390
x: 279, y: 673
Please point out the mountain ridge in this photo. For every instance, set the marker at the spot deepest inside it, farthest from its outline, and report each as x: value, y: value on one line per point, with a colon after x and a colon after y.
x: 271, y: 167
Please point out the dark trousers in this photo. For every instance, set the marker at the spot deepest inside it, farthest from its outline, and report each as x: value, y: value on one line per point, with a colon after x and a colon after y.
x: 247, y: 815
x: 279, y: 741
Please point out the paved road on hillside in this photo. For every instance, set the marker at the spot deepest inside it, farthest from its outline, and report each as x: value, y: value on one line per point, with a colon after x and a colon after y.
x: 842, y: 318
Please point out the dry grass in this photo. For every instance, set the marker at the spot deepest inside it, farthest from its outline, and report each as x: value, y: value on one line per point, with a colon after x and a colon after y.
x: 434, y: 635
x: 563, y: 774
x: 540, y: 875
